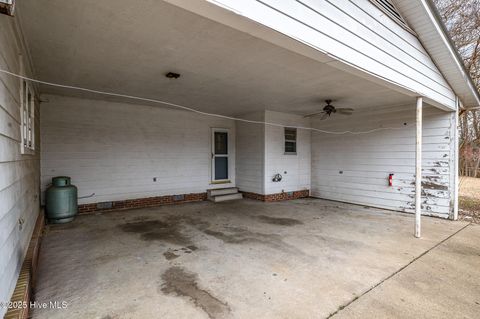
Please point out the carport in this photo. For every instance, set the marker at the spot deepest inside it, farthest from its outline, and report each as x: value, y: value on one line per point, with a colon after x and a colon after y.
x: 153, y: 108
x: 123, y: 130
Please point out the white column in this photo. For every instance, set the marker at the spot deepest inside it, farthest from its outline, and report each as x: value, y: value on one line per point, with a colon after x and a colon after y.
x: 456, y: 159
x: 418, y: 169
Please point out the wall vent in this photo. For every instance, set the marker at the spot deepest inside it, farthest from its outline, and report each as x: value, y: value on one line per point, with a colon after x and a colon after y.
x: 177, y: 198
x: 105, y: 205
x: 392, y: 12
x: 7, y: 7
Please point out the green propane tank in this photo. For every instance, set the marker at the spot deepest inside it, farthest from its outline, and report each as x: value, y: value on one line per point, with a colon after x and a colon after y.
x: 61, y: 200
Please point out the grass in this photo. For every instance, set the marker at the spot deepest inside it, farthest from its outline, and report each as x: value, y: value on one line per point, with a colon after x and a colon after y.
x: 469, y: 195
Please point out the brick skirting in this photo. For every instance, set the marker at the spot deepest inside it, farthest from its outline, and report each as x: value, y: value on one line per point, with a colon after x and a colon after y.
x: 141, y: 202
x: 278, y: 196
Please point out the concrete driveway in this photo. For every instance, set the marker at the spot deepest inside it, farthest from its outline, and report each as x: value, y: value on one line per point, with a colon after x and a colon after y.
x: 248, y: 259
x: 443, y: 283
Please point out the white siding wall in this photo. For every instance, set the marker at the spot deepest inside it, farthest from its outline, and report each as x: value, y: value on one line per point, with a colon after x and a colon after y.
x: 250, y: 154
x: 19, y: 174
x: 115, y: 150
x: 297, y: 167
x: 261, y: 154
x: 352, y: 34
x: 366, y: 160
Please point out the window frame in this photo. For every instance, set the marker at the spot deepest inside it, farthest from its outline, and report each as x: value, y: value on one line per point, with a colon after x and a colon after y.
x: 27, y: 118
x: 285, y: 140
x: 228, y: 156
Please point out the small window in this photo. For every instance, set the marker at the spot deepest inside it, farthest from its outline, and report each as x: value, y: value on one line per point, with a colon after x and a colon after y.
x: 27, y: 113
x: 290, y: 141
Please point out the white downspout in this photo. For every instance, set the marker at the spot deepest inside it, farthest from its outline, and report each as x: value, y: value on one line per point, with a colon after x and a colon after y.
x: 418, y: 169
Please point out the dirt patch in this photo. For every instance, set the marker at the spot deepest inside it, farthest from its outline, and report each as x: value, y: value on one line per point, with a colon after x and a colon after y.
x: 469, y: 209
x: 279, y: 221
x: 469, y: 187
x: 469, y: 200
x: 155, y: 230
x: 179, y: 282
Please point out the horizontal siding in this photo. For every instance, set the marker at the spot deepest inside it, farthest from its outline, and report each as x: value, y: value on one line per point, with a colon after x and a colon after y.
x: 355, y: 32
x: 19, y: 174
x: 9, y: 126
x: 250, y: 145
x: 8, y: 101
x: 297, y: 167
x: 260, y: 155
x: 355, y: 168
x: 114, y: 150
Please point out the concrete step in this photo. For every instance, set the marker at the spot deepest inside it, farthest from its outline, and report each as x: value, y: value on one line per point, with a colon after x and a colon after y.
x: 223, y: 198
x: 222, y: 191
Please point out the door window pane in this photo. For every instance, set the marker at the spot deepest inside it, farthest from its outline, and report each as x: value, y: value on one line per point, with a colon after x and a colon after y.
x: 221, y: 168
x: 221, y: 143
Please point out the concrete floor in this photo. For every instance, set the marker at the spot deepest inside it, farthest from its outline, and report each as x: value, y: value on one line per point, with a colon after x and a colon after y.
x: 248, y: 259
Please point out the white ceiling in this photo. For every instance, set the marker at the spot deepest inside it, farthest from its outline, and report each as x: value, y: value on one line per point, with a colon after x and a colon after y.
x: 127, y: 47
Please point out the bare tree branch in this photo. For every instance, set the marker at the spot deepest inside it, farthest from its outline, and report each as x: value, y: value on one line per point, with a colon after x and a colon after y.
x: 462, y: 19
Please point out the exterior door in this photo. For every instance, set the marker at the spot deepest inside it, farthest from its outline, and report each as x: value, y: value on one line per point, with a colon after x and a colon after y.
x: 220, y: 158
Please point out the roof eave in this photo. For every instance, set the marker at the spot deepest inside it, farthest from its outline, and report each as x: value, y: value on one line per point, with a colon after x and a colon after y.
x: 430, y: 6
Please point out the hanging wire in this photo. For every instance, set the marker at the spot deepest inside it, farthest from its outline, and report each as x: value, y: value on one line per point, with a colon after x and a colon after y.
x: 186, y: 108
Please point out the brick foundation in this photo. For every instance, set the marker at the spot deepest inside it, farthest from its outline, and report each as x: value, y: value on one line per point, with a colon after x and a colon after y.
x: 278, y: 196
x: 142, y: 202
x: 24, y: 288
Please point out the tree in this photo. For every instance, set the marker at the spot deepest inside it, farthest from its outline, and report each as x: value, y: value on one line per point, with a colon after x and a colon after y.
x: 462, y: 19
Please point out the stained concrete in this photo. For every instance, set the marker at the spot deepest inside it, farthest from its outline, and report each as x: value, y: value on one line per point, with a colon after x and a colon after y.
x: 247, y: 259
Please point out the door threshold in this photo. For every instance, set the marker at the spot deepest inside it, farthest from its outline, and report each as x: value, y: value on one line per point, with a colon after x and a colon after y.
x: 220, y: 182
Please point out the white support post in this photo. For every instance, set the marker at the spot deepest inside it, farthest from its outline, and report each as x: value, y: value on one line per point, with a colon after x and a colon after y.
x: 456, y: 160
x: 418, y: 169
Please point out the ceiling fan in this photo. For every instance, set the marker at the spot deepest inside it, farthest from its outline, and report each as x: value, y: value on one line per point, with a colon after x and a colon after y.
x: 329, y: 109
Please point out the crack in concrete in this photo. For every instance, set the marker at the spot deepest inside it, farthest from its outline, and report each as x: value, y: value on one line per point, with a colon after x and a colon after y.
x: 396, y: 272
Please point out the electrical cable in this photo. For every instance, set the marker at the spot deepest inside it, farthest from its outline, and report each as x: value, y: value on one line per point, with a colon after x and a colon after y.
x: 186, y: 108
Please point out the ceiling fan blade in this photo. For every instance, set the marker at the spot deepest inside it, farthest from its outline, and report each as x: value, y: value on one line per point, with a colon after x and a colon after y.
x: 314, y: 114
x: 324, y: 117
x: 345, y: 111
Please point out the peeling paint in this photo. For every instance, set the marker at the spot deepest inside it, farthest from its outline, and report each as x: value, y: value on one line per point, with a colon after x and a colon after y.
x: 432, y: 185
x: 441, y: 164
